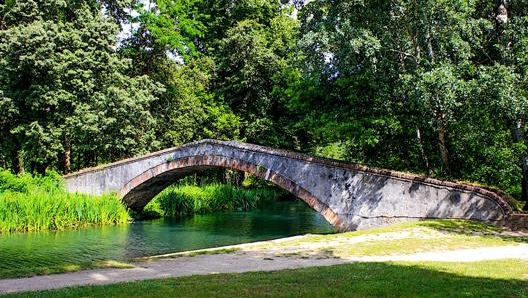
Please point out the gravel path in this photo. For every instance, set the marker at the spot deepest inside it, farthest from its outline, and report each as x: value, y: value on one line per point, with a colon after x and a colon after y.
x: 245, y: 259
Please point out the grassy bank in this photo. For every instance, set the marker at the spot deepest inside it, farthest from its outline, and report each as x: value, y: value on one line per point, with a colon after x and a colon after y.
x: 402, y: 238
x: 181, y: 200
x: 37, y: 203
x: 426, y: 279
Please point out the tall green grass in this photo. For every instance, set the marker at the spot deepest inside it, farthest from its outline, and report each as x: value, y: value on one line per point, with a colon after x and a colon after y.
x: 181, y: 200
x: 37, y: 203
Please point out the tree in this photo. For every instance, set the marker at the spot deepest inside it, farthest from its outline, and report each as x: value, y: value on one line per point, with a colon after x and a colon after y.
x: 250, y: 66
x: 416, y: 85
x: 163, y: 47
x: 508, y: 77
x: 67, y: 88
x: 243, y: 48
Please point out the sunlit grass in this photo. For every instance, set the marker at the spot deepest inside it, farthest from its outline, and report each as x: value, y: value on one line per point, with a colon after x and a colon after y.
x: 405, y: 238
x: 62, y: 268
x: 193, y: 253
x: 508, y: 269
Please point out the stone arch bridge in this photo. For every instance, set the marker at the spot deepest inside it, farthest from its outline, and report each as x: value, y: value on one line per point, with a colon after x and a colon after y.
x: 349, y: 196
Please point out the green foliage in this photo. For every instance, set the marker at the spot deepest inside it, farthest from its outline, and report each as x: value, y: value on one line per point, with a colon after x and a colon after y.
x: 437, y: 87
x: 182, y: 200
x: 172, y: 25
x: 65, y: 90
x: 27, y: 183
x: 187, y: 111
x: 335, y: 150
x: 247, y: 77
x: 223, y: 65
x: 37, y: 203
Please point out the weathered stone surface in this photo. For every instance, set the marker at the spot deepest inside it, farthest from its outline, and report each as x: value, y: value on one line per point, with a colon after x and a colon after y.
x: 347, y: 195
x: 516, y: 222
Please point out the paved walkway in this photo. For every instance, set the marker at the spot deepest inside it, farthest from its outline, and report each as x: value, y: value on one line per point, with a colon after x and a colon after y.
x: 240, y: 261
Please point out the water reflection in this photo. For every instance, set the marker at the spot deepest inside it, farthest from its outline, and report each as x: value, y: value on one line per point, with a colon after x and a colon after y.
x: 159, y: 236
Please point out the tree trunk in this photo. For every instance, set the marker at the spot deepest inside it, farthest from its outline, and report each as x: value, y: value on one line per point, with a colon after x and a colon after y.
x: 18, y: 162
x: 239, y: 178
x: 444, y: 154
x: 518, y: 136
x: 39, y: 168
x: 501, y: 14
x: 524, y: 181
x: 430, y: 51
x: 422, y: 151
x: 66, y: 159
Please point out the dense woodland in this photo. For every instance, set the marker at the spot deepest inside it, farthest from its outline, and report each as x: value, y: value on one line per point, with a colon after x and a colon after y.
x: 433, y: 87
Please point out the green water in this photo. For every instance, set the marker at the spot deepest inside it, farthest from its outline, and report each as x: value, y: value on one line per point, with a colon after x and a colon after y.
x: 160, y: 236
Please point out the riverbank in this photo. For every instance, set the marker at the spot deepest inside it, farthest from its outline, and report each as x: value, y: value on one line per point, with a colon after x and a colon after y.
x: 494, y: 252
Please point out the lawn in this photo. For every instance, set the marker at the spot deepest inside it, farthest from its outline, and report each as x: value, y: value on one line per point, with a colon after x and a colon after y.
x: 431, y: 279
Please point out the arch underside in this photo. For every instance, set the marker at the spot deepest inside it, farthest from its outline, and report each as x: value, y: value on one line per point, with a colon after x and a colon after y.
x: 143, y: 188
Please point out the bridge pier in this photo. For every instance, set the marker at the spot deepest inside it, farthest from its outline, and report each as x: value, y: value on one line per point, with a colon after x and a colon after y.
x: 349, y: 196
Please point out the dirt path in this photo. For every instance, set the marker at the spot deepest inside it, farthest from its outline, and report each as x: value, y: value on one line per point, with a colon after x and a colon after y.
x: 244, y: 258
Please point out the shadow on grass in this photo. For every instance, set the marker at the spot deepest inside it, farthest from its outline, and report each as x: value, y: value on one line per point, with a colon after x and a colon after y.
x: 474, y: 228
x: 63, y: 267
x: 350, y: 280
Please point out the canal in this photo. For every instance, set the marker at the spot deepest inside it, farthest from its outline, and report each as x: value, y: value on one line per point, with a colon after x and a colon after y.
x: 161, y: 236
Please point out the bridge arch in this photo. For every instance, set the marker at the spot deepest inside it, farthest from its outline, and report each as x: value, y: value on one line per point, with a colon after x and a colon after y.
x: 349, y: 196
x: 144, y: 187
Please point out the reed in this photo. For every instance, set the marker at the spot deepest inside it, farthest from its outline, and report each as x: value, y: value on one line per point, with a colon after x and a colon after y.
x: 37, y: 203
x: 181, y: 200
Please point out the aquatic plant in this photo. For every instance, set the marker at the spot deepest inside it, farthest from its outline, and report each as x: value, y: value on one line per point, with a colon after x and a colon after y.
x: 36, y: 203
x: 181, y: 200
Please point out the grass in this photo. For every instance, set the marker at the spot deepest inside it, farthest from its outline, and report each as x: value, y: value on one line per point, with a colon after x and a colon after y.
x: 431, y: 279
x: 36, y: 203
x: 405, y: 238
x: 179, y: 200
x: 63, y: 268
